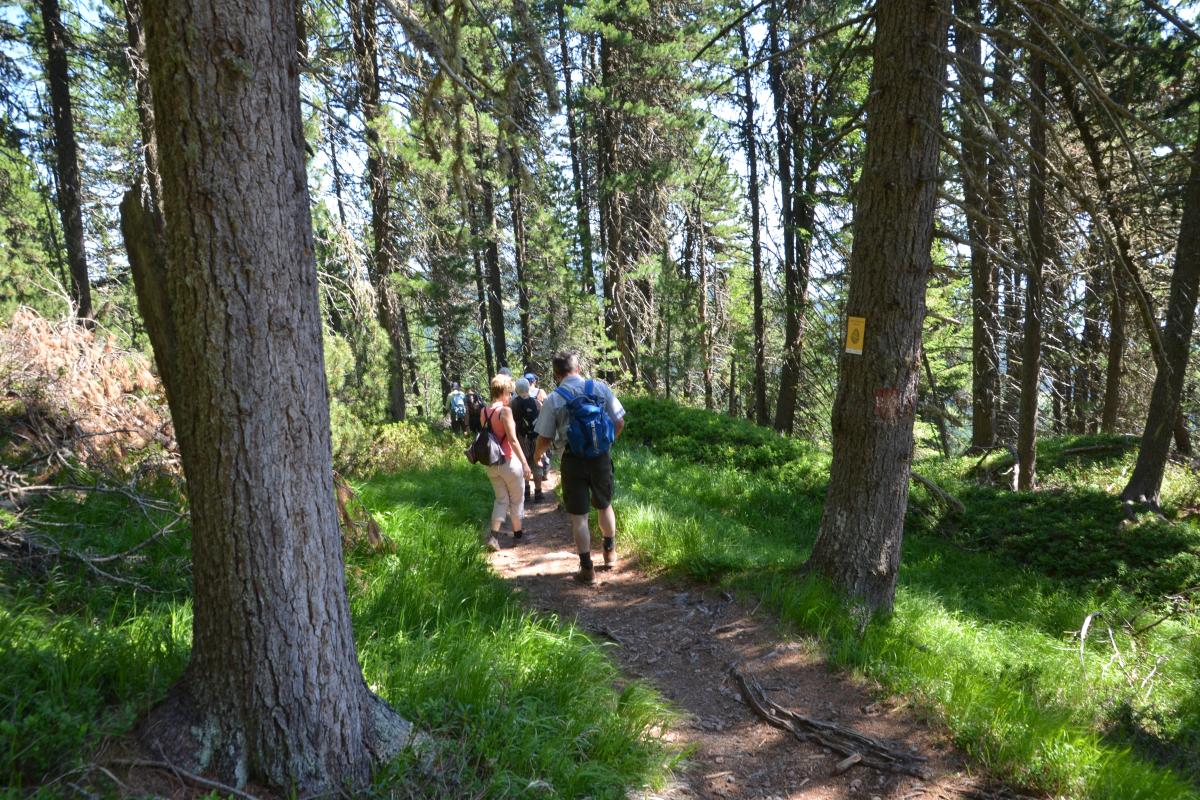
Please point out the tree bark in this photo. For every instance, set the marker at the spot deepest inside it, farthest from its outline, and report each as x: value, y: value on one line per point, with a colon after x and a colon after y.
x: 273, y: 692
x: 750, y: 140
x: 858, y: 547
x: 66, y: 156
x: 388, y: 309
x: 583, y: 223
x: 495, y: 286
x: 1116, y: 353
x: 985, y: 361
x: 797, y: 211
x: 1146, y: 481
x: 516, y: 206
x: 1031, y: 344
x: 481, y: 300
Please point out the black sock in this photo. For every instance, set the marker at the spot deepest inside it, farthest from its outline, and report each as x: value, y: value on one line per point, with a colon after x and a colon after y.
x: 517, y: 534
x: 585, y: 560
x: 609, y: 543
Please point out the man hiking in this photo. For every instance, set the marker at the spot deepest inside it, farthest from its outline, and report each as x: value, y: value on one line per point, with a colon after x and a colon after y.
x: 583, y: 417
x: 456, y: 405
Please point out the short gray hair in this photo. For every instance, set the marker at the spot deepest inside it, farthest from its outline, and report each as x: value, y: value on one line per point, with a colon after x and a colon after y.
x: 564, y: 362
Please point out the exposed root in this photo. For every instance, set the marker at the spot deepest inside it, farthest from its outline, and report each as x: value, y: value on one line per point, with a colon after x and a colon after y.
x: 858, y: 748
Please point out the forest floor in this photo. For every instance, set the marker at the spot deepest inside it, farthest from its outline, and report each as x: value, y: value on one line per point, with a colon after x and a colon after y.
x: 684, y: 639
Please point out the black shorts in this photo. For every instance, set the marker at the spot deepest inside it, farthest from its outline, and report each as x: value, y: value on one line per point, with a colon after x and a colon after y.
x: 586, y: 481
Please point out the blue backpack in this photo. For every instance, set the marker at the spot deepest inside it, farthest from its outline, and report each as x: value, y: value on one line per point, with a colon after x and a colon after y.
x: 591, y: 432
x: 458, y: 405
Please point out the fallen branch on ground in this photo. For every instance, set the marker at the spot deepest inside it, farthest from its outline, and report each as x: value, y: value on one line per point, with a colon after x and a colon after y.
x: 1094, y: 448
x: 950, y: 501
x: 874, y: 753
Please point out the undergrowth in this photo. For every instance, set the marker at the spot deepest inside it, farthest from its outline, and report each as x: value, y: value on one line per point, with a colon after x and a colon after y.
x: 985, y: 629
x: 520, y: 704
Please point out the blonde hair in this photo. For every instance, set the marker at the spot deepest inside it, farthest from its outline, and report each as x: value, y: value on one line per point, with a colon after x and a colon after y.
x: 501, y: 385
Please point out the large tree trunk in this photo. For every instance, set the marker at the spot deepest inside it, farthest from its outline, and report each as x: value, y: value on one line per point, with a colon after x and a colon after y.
x: 1116, y: 352
x: 481, y: 301
x: 583, y: 223
x: 785, y: 408
x: 388, y: 309
x: 1146, y: 480
x: 495, y: 286
x: 750, y: 140
x: 66, y: 156
x: 858, y: 548
x: 520, y: 258
x: 985, y: 361
x: 789, y: 86
x: 1031, y: 344
x: 273, y: 692
x: 703, y: 306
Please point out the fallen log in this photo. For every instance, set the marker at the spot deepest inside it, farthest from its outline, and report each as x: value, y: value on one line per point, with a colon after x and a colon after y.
x: 857, y: 748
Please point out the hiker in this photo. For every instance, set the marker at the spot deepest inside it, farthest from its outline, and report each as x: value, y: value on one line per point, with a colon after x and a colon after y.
x: 456, y: 406
x: 584, y: 418
x: 508, y: 478
x: 526, y: 408
x: 475, y: 404
x: 534, y: 389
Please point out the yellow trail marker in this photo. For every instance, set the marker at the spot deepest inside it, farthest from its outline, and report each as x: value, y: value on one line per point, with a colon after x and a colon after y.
x: 856, y: 328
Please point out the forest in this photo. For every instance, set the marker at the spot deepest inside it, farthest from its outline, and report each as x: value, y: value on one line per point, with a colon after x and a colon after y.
x: 898, y: 300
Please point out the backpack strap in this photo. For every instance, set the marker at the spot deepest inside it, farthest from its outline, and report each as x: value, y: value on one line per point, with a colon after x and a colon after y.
x: 589, y: 388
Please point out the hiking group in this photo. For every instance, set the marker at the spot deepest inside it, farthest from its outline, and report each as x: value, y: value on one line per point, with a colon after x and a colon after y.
x: 515, y: 436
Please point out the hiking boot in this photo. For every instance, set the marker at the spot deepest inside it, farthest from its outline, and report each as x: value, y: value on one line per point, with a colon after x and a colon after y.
x: 538, y: 497
x: 585, y: 575
x: 493, y: 544
x: 610, y: 557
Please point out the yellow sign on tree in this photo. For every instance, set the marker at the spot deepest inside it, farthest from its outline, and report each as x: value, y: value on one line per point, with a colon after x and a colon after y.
x: 856, y: 328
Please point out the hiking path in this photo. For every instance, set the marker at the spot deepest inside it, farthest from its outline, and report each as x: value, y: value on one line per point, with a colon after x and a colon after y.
x: 684, y: 639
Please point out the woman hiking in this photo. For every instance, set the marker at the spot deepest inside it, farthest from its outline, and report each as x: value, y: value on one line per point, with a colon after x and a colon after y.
x: 508, y: 477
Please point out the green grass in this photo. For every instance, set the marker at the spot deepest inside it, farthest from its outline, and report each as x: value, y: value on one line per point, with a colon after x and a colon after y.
x: 983, y: 633
x: 522, y: 704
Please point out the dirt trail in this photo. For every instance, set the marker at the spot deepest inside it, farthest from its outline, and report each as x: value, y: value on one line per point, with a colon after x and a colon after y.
x: 683, y: 639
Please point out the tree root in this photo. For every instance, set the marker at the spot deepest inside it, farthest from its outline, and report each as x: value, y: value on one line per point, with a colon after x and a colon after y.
x: 872, y: 752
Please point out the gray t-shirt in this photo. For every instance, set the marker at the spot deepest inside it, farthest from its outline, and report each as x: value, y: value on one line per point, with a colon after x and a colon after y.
x: 555, y: 417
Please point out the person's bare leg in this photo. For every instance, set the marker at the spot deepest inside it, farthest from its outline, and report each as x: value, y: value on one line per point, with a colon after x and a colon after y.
x: 608, y: 529
x: 583, y: 546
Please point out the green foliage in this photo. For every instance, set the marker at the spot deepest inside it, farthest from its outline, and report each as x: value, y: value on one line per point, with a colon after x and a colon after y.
x: 26, y: 272
x: 1075, y: 528
x: 84, y: 656
x: 516, y: 701
x: 986, y: 643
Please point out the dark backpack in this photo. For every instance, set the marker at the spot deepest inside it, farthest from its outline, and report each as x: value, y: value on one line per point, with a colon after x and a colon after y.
x: 526, y: 410
x: 474, y: 407
x: 486, y: 448
x: 590, y: 433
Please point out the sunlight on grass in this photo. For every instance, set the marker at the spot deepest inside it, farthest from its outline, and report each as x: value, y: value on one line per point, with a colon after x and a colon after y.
x: 984, y: 643
x: 515, y: 700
